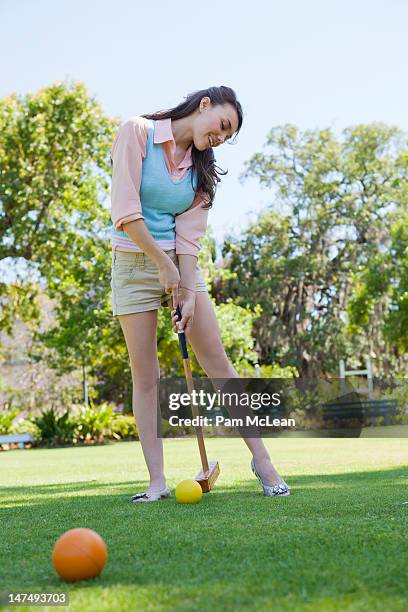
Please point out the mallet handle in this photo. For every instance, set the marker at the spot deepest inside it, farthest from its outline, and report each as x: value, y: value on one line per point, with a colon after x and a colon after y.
x: 194, y: 410
x: 190, y: 387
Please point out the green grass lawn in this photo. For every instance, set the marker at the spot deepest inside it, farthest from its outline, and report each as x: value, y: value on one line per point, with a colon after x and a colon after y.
x: 339, y: 542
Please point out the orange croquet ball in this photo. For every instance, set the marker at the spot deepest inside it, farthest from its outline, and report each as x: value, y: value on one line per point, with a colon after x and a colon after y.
x: 79, y: 554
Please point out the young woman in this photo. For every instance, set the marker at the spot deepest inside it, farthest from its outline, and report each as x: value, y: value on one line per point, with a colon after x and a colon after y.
x: 164, y: 180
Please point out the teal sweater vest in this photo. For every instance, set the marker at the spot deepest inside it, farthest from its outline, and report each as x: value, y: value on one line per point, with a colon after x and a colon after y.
x: 161, y: 197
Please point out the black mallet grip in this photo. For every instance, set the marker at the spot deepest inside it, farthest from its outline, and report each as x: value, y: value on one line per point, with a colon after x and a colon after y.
x: 181, y: 335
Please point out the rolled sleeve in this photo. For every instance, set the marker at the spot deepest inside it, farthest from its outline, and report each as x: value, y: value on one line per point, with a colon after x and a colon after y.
x: 190, y: 227
x: 128, y: 152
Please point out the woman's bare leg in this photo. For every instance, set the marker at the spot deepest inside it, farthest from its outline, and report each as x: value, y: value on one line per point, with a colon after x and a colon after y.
x: 140, y: 331
x: 205, y: 341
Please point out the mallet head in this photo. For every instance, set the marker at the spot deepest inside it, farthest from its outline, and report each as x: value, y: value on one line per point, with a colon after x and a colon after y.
x: 207, y: 479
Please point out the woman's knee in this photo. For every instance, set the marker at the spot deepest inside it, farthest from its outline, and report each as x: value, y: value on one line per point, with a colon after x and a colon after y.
x: 211, y: 360
x: 145, y: 371
x: 145, y: 385
x: 140, y: 334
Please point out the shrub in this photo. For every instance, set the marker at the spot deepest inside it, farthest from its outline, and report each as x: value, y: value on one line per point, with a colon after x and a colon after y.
x: 55, y: 429
x: 6, y: 420
x: 124, y: 426
x: 95, y: 422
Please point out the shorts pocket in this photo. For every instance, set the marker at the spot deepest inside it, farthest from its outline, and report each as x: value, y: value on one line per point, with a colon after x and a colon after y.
x: 125, y: 265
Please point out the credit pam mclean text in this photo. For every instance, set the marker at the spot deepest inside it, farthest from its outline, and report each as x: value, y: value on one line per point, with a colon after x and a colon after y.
x: 249, y: 421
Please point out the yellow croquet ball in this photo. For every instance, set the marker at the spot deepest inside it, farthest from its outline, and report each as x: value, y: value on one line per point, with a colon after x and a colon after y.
x: 188, y: 492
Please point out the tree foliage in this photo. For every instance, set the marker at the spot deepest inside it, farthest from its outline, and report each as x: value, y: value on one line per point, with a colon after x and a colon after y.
x: 54, y: 164
x: 333, y: 201
x: 385, y: 275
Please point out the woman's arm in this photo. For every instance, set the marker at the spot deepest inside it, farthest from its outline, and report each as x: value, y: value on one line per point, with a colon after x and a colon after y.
x: 190, y: 227
x: 138, y: 232
x: 187, y: 266
x: 169, y: 276
x: 127, y: 153
x: 187, y: 295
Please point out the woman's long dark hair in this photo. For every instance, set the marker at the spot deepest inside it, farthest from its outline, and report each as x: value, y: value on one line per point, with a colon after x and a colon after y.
x: 208, y: 174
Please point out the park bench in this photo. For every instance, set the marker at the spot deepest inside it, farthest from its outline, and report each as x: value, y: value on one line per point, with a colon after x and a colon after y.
x: 19, y: 439
x: 367, y: 409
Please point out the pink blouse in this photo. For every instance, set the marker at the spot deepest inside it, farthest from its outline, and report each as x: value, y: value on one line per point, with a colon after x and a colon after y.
x: 128, y: 151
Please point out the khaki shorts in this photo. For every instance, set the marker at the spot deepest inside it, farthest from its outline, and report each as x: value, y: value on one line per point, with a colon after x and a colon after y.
x: 135, y: 282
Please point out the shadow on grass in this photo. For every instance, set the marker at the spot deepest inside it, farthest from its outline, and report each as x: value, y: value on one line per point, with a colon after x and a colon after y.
x: 69, y: 487
x: 388, y: 477
x: 320, y: 495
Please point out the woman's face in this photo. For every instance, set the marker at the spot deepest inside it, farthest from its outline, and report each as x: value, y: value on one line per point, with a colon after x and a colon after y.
x: 214, y: 124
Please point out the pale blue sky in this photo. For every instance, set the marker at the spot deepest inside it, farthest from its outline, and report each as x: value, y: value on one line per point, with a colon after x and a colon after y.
x: 315, y: 64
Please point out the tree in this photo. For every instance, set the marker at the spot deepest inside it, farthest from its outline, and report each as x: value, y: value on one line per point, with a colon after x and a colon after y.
x: 385, y: 276
x: 331, y: 213
x: 54, y: 164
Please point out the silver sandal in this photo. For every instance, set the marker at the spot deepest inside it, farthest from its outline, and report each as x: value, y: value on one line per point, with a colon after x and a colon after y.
x: 150, y: 497
x: 271, y: 491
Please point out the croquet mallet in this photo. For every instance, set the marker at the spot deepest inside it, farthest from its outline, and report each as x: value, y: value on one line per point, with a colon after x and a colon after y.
x: 210, y: 470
